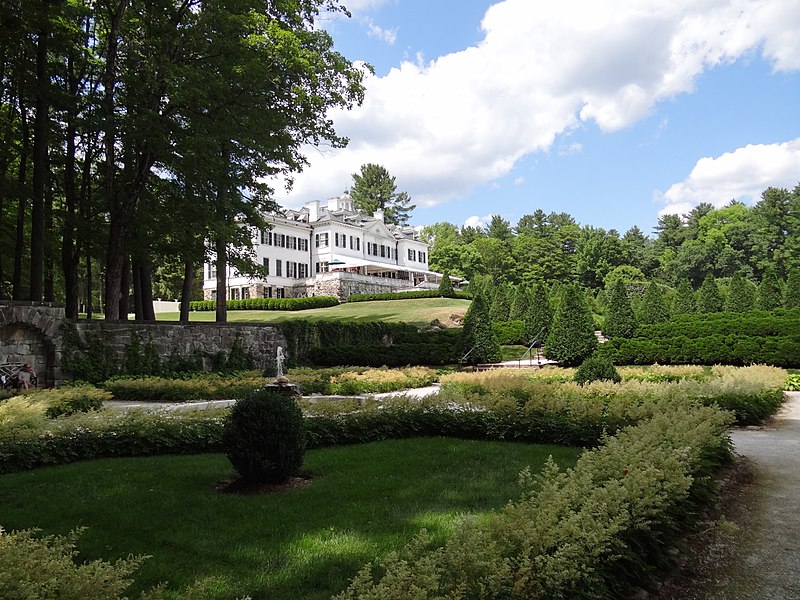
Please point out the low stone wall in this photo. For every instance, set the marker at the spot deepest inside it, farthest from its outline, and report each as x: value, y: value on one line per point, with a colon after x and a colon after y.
x: 32, y: 332
x: 189, y: 339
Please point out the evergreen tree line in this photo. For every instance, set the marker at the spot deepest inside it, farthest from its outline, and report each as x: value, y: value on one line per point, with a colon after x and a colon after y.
x: 138, y: 137
x: 736, y: 239
x: 564, y: 317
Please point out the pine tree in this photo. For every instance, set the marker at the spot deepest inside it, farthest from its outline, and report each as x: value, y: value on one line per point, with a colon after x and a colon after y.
x: 478, y: 342
x: 741, y: 295
x: 792, y: 296
x: 519, y: 304
x: 620, y: 320
x: 446, y: 286
x: 571, y: 338
x: 770, y: 295
x: 539, y: 316
x: 653, y: 307
x: 373, y: 189
x: 709, y: 298
x: 683, y: 302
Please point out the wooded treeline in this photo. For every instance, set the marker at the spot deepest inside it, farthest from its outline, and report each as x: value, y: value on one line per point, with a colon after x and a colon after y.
x: 553, y: 248
x: 139, y: 134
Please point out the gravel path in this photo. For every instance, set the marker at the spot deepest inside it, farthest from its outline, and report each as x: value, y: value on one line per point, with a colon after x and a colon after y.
x: 168, y: 406
x: 767, y: 562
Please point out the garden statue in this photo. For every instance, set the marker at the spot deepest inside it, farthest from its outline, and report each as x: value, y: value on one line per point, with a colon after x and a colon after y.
x: 279, y: 360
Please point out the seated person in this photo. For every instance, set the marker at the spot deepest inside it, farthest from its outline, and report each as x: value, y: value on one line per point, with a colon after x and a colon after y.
x: 25, y: 377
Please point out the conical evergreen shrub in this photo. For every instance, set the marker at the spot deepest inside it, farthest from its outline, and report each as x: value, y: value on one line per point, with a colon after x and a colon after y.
x: 620, y: 320
x: 741, y: 295
x: 683, y: 302
x: 571, y: 338
x: 770, y: 294
x: 446, y: 286
x: 792, y: 295
x: 519, y: 304
x: 539, y: 316
x: 654, y: 307
x: 709, y: 298
x: 478, y: 342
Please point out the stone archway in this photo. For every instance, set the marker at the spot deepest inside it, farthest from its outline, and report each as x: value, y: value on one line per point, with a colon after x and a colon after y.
x: 31, y: 332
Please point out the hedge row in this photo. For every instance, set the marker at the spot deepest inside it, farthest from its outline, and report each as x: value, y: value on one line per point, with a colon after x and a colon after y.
x: 594, y: 531
x: 303, y: 336
x: 538, y: 412
x: 756, y: 324
x: 211, y: 386
x: 405, y: 296
x: 267, y: 303
x: 752, y: 393
x: 408, y: 348
x: 733, y: 349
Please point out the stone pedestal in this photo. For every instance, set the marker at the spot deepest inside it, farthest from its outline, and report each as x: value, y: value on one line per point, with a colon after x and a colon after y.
x: 281, y: 385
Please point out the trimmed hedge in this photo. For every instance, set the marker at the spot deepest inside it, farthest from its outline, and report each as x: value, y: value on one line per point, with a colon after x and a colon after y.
x: 268, y: 303
x: 492, y: 407
x: 408, y: 348
x: 594, y: 531
x: 304, y: 336
x: 510, y: 333
x: 756, y: 337
x: 406, y: 296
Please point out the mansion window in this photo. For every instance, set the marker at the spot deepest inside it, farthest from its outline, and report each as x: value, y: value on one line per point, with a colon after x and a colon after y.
x: 266, y: 237
x: 266, y: 265
x: 279, y: 267
x: 321, y: 240
x: 412, y: 254
x: 422, y: 257
x: 340, y: 240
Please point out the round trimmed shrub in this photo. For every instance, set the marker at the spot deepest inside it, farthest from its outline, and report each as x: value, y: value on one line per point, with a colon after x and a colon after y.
x: 596, y: 368
x: 264, y: 437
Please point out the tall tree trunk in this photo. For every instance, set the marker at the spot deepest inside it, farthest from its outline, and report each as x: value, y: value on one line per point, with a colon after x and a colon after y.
x: 124, y: 303
x: 49, y: 291
x: 186, y: 290
x: 115, y: 258
x: 40, y: 140
x: 146, y: 290
x: 22, y: 203
x: 89, y: 283
x: 70, y: 252
x: 221, y: 247
x: 137, y: 292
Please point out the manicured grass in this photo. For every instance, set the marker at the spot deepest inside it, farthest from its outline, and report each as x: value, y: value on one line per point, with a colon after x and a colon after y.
x: 417, y: 311
x: 305, y: 543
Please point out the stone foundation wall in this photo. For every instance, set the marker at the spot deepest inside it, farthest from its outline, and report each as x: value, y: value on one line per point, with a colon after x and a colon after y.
x: 189, y: 339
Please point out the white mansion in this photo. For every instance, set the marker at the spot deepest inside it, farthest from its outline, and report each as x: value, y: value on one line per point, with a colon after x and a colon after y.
x: 331, y: 250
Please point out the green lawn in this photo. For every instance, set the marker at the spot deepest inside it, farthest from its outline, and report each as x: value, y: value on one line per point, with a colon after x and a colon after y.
x: 301, y: 544
x: 417, y: 311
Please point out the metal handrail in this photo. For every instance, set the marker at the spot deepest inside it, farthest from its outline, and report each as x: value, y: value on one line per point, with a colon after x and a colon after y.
x: 529, y: 348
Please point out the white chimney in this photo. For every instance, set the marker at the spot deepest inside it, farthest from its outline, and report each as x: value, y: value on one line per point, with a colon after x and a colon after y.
x: 313, y: 211
x: 378, y: 214
x: 333, y: 204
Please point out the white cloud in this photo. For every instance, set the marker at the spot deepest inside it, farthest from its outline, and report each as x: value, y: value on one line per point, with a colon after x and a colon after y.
x: 374, y: 31
x: 478, y: 222
x: 568, y: 149
x: 519, y: 180
x: 444, y: 126
x: 742, y: 175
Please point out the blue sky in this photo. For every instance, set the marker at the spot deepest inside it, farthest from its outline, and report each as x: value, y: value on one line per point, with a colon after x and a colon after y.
x: 614, y: 111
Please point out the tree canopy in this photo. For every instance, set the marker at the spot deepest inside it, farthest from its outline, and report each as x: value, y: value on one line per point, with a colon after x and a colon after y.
x: 374, y: 189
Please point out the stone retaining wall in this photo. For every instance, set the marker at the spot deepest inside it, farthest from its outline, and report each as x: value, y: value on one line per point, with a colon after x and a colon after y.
x: 32, y: 332
x: 190, y: 339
